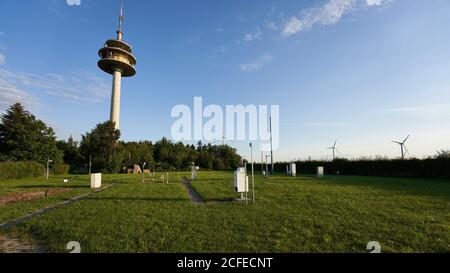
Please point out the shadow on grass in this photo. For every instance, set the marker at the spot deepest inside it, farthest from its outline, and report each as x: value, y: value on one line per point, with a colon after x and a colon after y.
x: 212, y: 179
x: 53, y: 187
x: 139, y: 199
x: 406, y: 186
x: 221, y: 200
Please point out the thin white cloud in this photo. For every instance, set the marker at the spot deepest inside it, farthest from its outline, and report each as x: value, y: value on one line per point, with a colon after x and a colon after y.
x: 292, y: 27
x: 252, y: 36
x: 328, y: 14
x: 2, y: 59
x: 73, y: 2
x: 10, y: 94
x: 378, y: 2
x: 77, y: 87
x: 258, y: 64
x: 271, y: 26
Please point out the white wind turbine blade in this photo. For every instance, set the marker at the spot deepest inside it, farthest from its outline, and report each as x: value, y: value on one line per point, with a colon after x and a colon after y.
x: 406, y: 139
x: 406, y: 150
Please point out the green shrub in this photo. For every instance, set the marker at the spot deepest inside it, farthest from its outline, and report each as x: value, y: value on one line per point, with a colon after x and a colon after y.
x: 59, y: 169
x: 21, y: 169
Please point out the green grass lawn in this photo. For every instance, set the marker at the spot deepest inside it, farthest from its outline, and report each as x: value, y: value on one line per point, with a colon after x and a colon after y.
x: 78, y: 185
x: 303, y: 214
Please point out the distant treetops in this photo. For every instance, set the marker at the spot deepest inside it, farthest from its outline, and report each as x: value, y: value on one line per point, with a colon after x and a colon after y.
x: 23, y: 137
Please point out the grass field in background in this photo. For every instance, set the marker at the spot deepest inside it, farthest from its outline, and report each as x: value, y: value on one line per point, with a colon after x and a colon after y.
x: 303, y: 214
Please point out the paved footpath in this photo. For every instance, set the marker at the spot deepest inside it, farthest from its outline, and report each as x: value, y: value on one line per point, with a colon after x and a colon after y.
x: 195, y: 197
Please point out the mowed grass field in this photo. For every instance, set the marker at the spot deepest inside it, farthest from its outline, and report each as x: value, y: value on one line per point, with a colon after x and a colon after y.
x: 302, y: 214
x: 77, y: 186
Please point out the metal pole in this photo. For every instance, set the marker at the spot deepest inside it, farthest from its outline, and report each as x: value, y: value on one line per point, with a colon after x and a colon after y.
x: 267, y: 166
x: 143, y: 173
x: 246, y: 185
x: 271, y: 147
x: 48, y: 162
x: 253, y: 173
x: 90, y: 164
x: 262, y: 162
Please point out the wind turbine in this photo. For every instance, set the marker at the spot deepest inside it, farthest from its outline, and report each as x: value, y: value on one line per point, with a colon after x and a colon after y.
x: 334, y: 150
x: 403, y: 147
x: 223, y: 140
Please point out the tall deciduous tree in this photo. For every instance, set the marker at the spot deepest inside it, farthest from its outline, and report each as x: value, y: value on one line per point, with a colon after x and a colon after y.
x: 102, y: 143
x: 71, y: 151
x: 138, y: 153
x: 24, y: 137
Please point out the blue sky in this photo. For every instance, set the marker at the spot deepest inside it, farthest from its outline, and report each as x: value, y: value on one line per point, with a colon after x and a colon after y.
x: 365, y: 72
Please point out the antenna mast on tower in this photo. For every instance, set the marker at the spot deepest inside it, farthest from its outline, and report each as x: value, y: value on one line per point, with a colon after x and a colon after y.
x: 119, y: 31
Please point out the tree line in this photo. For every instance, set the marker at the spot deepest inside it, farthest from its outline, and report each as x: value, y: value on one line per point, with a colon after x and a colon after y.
x: 25, y: 138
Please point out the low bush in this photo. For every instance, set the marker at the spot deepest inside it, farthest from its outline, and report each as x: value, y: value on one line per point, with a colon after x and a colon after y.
x: 21, y: 169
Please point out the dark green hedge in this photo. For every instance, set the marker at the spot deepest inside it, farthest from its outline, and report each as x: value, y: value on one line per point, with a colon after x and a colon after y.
x: 414, y: 168
x: 21, y: 169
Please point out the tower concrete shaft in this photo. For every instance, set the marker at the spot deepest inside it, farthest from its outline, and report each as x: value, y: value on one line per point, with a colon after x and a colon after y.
x: 115, y: 98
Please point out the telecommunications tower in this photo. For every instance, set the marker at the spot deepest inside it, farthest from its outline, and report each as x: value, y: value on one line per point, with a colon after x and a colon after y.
x: 116, y: 58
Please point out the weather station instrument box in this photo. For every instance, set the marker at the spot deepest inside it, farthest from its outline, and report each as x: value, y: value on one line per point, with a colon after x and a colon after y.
x: 96, y: 180
x: 320, y: 171
x: 293, y: 169
x: 240, y: 180
x: 194, y: 171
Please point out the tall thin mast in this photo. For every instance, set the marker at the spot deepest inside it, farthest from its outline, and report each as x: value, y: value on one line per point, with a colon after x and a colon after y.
x: 119, y: 31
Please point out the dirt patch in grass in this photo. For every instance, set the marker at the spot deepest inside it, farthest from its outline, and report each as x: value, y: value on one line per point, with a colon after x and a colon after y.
x: 9, y: 244
x: 27, y: 196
